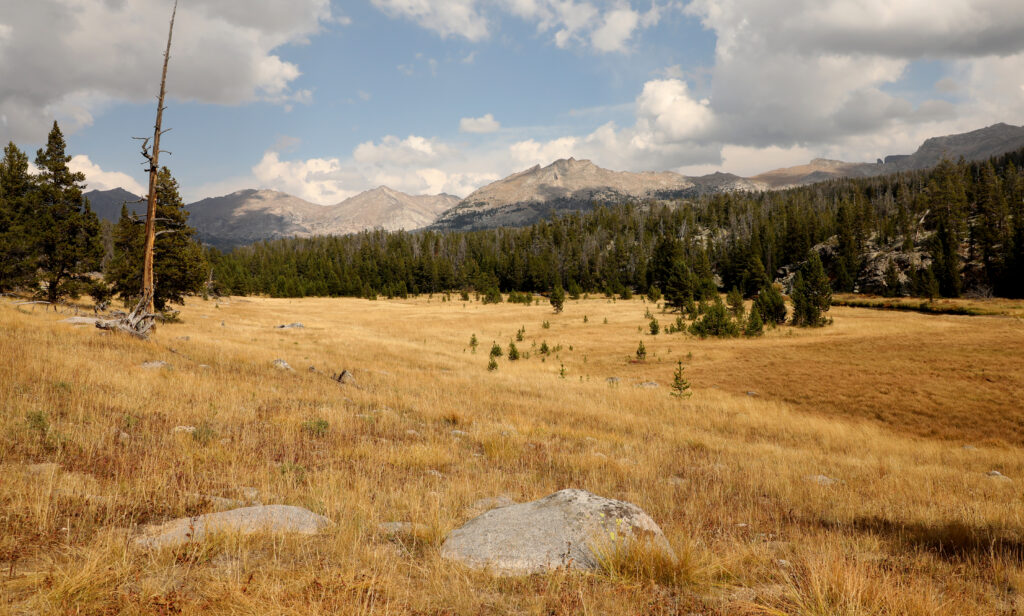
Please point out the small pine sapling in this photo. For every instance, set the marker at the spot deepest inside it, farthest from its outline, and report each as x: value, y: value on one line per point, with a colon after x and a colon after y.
x: 513, y: 352
x: 641, y: 352
x: 755, y: 325
x: 680, y: 386
x: 492, y: 365
x: 735, y: 301
x: 654, y: 326
x: 473, y: 343
x: 496, y: 350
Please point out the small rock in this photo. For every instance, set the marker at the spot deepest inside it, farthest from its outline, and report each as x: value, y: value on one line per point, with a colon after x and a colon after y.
x: 184, y: 430
x: 281, y: 364
x: 204, y: 367
x: 648, y: 385
x: 412, y: 433
x: 676, y: 480
x: 245, y: 521
x: 969, y: 448
x: 459, y: 433
x: 345, y: 378
x: 123, y: 437
x: 752, y: 394
x: 291, y: 326
x: 784, y: 563
x: 434, y: 473
x: 155, y: 365
x: 998, y: 476
x: 562, y: 530
x: 822, y: 480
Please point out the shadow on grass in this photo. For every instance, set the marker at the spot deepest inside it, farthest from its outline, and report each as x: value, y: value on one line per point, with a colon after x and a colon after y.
x: 952, y: 540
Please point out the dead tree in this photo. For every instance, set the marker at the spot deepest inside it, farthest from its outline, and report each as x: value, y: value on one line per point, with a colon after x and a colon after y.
x: 140, y: 320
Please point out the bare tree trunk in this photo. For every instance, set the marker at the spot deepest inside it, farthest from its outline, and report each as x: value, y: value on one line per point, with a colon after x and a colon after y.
x: 154, y: 167
x: 140, y: 320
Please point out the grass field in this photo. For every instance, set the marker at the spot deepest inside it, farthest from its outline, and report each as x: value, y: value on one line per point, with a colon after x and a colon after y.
x: 883, y: 401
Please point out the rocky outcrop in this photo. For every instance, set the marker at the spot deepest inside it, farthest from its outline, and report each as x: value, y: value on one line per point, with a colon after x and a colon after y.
x: 569, y: 529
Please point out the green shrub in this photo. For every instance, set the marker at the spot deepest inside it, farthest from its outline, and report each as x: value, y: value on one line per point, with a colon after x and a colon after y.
x: 654, y: 327
x: 496, y: 350
x: 641, y: 351
x: 715, y: 322
x: 316, y: 427
x: 771, y: 306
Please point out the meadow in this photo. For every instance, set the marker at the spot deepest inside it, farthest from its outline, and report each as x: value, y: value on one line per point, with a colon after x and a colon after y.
x: 842, y: 470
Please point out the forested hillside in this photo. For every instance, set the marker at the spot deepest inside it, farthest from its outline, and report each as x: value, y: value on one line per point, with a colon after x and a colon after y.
x: 957, y: 228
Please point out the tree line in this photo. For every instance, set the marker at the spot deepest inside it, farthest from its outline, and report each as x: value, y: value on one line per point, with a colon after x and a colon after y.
x: 53, y: 245
x: 956, y: 228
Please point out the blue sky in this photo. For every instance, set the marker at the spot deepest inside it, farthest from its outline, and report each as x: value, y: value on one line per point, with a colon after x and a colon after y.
x: 325, y: 99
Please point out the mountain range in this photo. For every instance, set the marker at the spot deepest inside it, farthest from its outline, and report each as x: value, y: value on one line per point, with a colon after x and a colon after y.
x: 523, y: 198
x: 248, y: 216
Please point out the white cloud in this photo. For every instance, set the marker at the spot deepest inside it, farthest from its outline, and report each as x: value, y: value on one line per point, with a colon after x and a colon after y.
x: 485, y: 124
x: 616, y: 30
x: 223, y: 52
x: 98, y: 179
x: 606, y: 29
x: 308, y: 179
x: 446, y: 17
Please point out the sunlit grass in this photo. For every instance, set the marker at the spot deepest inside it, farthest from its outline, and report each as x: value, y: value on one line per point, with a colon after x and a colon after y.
x: 881, y: 401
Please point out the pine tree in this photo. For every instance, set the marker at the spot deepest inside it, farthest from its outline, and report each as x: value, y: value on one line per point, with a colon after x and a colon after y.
x: 948, y: 201
x: 893, y: 288
x: 557, y: 298
x: 17, y: 265
x: 715, y: 322
x: 812, y: 294
x: 755, y: 325
x: 771, y: 306
x: 990, y: 231
x: 641, y: 351
x: 680, y: 386
x: 66, y: 231
x: 179, y: 265
x: 735, y: 301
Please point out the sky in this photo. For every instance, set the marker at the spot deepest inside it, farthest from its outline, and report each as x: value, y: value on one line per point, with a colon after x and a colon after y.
x: 325, y: 99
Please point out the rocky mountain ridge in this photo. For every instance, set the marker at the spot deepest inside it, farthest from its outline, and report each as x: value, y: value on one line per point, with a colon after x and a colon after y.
x: 568, y: 185
x: 564, y: 186
x: 248, y: 216
x: 974, y: 145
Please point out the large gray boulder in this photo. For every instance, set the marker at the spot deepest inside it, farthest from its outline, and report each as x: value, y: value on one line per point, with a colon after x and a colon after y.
x: 244, y: 521
x: 570, y: 528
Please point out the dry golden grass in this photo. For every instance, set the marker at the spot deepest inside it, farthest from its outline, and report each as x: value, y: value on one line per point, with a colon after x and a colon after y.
x: 914, y: 527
